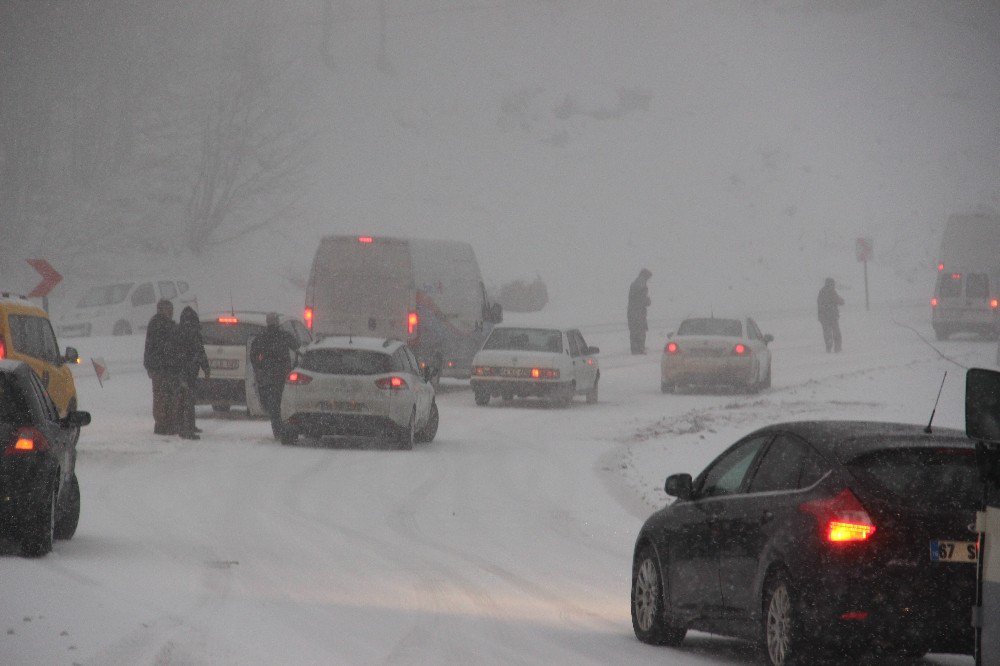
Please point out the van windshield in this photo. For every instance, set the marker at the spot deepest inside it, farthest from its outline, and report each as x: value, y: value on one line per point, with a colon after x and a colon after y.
x: 108, y: 294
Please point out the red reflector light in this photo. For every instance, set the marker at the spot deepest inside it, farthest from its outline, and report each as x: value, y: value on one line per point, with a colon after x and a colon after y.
x: 391, y: 383
x: 854, y: 615
x: 296, y: 377
x: 740, y: 349
x: 228, y: 320
x: 940, y: 266
x: 956, y: 276
x: 308, y: 317
x: 27, y: 440
x: 671, y: 348
x: 411, y: 322
x: 365, y: 239
x: 934, y: 302
x: 841, y: 519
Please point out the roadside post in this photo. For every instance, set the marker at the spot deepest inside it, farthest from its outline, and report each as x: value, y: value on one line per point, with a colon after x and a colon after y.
x: 863, y: 251
x: 982, y: 423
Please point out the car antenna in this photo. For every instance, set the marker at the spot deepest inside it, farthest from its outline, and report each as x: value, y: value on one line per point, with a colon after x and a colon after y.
x: 928, y: 428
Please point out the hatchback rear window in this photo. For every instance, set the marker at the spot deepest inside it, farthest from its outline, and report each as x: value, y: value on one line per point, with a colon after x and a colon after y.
x: 525, y: 339
x: 347, y: 362
x: 977, y: 285
x: 949, y: 285
x: 945, y: 478
x: 728, y: 327
x: 13, y: 405
x: 215, y: 333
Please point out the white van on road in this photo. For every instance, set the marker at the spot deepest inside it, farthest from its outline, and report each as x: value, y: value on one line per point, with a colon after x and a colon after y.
x: 123, y: 308
x: 426, y: 293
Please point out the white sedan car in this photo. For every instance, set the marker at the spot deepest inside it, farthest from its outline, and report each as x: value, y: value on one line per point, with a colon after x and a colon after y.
x: 548, y: 363
x: 707, y: 351
x: 359, y: 386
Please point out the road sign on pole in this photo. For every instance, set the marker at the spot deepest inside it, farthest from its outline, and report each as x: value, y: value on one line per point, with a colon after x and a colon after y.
x: 863, y: 251
x: 50, y: 278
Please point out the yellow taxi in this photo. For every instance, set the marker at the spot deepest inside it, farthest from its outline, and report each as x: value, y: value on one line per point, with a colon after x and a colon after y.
x: 26, y: 335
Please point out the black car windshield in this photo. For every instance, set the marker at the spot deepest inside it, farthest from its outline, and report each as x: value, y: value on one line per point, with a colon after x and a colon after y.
x: 104, y: 295
x: 13, y: 405
x: 728, y: 327
x: 346, y: 362
x: 525, y: 339
x: 930, y: 478
x: 217, y: 333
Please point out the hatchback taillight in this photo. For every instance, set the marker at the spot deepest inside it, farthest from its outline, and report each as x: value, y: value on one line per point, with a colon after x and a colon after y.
x: 934, y: 302
x: 26, y: 440
x: 3, y: 348
x: 412, y: 320
x: 671, y: 348
x: 308, y: 317
x: 740, y: 349
x: 841, y: 519
x: 393, y: 383
x: 298, y: 378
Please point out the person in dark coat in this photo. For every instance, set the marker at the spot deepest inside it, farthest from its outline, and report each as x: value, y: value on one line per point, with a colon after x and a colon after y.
x: 271, y: 359
x: 191, y: 352
x: 638, y: 301
x: 163, y: 367
x: 828, y: 304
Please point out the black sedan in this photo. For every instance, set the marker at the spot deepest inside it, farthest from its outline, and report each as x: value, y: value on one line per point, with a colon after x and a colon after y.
x: 39, y: 492
x: 818, y: 539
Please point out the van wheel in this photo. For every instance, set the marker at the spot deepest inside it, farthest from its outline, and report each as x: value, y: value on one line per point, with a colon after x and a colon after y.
x: 482, y: 397
x: 666, y: 388
x: 429, y: 430
x: 122, y: 328
x: 69, y: 518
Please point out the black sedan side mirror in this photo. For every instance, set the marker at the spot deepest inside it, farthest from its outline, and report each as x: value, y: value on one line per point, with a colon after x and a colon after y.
x: 72, y: 355
x: 76, y: 419
x: 768, y: 338
x: 679, y: 486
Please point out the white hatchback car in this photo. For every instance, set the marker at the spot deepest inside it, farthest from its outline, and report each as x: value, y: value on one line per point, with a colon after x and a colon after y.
x: 550, y: 363
x: 708, y: 351
x: 359, y: 386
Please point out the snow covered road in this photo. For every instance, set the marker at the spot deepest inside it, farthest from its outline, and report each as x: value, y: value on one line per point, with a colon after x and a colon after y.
x: 506, y: 540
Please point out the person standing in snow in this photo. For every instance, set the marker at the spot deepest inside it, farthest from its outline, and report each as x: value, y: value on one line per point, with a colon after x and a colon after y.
x: 828, y: 304
x: 191, y: 351
x: 638, y: 301
x: 163, y: 367
x: 270, y: 355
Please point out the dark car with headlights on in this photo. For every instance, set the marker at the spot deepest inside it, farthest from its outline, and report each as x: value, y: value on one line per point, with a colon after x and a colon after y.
x: 39, y: 492
x: 815, y: 539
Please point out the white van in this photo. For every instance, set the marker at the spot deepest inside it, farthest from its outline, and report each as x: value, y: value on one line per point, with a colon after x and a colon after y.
x: 123, y: 308
x: 426, y: 293
x: 967, y: 290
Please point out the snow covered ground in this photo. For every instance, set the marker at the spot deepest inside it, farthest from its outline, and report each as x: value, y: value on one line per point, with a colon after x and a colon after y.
x: 506, y: 540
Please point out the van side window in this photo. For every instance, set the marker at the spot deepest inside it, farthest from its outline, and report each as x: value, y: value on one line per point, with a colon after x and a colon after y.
x: 144, y: 295
x: 168, y: 290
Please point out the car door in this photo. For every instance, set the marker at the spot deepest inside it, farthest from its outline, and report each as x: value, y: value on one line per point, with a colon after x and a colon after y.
x: 584, y: 364
x: 425, y: 388
x: 760, y: 523
x: 693, y: 536
x: 759, y: 348
x: 61, y: 439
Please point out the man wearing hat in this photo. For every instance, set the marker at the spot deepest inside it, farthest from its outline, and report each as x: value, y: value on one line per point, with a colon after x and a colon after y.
x: 271, y: 357
x: 638, y: 301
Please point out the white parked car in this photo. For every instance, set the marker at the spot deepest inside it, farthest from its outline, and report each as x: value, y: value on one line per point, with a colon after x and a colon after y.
x: 123, y: 308
x: 709, y: 351
x: 227, y: 337
x: 550, y: 363
x: 348, y: 385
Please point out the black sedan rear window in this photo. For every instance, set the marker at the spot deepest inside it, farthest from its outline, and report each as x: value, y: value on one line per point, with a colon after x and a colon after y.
x: 346, y: 362
x: 13, y: 405
x: 728, y: 327
x: 215, y: 333
x: 945, y: 478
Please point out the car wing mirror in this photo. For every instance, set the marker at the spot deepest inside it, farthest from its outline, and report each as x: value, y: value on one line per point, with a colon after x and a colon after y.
x: 76, y: 419
x: 679, y: 486
x: 72, y: 355
x: 768, y: 338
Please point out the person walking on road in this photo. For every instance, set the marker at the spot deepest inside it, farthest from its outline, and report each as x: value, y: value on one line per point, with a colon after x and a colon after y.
x: 191, y: 353
x: 828, y: 304
x: 638, y: 301
x: 270, y: 355
x: 163, y: 367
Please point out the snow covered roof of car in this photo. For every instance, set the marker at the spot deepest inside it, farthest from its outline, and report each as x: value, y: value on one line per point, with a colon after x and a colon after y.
x: 384, y: 345
x: 846, y: 438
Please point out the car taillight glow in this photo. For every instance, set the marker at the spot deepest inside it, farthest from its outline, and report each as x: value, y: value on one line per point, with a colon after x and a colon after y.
x: 956, y: 276
x: 854, y: 615
x: 940, y: 266
x: 228, y: 320
x: 392, y: 383
x: 483, y: 370
x: 3, y: 348
x: 308, y: 317
x: 994, y: 303
x: 411, y: 322
x: 841, y: 519
x: 671, y: 348
x: 299, y: 378
x: 366, y: 239
x: 740, y: 349
x: 544, y: 373
x: 934, y: 302
x: 27, y: 440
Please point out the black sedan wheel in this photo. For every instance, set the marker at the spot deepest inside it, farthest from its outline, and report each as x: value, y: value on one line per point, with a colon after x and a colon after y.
x: 36, y: 539
x: 784, y: 641
x: 69, y: 518
x: 648, y: 602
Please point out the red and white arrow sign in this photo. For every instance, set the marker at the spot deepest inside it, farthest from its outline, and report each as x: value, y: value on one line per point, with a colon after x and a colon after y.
x: 50, y: 277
